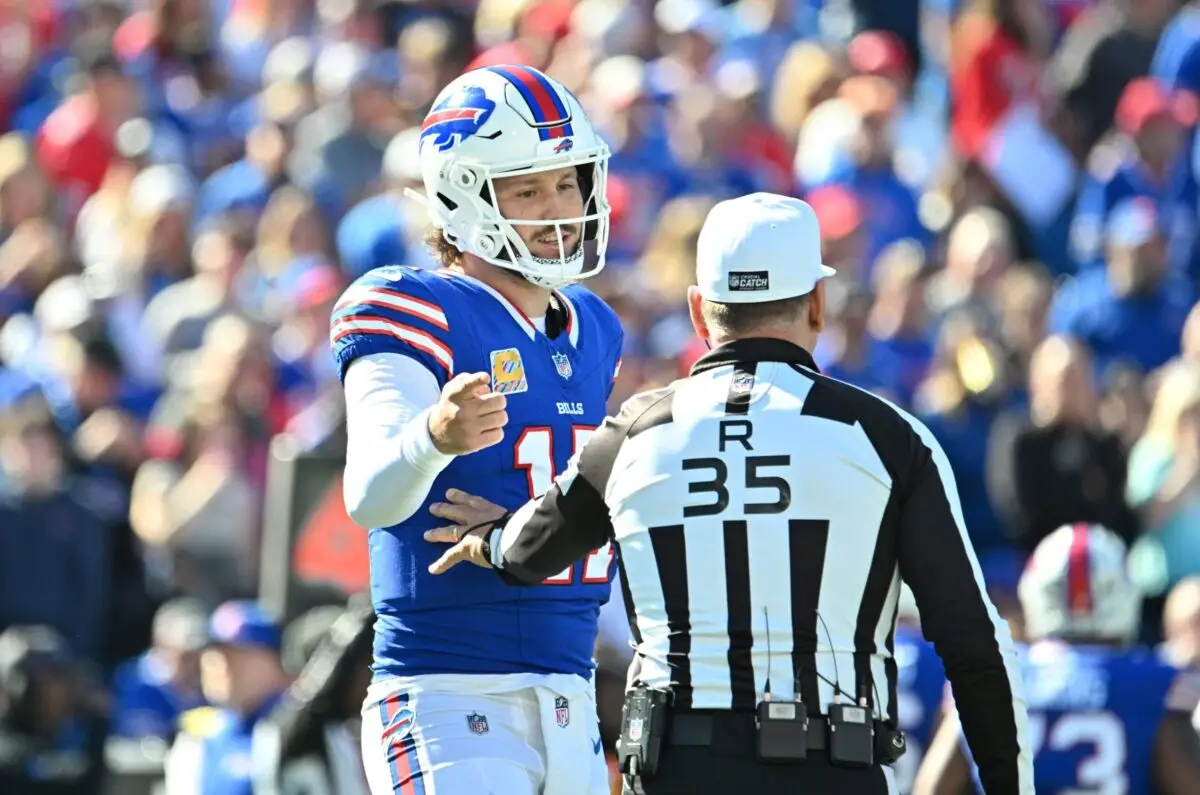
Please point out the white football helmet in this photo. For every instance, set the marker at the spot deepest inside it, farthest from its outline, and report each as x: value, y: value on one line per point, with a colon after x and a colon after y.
x: 504, y: 121
x: 1076, y: 586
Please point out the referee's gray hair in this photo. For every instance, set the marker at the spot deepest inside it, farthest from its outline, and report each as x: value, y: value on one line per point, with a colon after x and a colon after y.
x: 736, y: 320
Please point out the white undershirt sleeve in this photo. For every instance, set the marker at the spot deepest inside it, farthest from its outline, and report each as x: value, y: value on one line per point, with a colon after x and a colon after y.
x: 391, y: 462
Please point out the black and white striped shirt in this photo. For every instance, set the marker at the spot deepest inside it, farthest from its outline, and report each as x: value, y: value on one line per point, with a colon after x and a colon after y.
x: 765, y: 515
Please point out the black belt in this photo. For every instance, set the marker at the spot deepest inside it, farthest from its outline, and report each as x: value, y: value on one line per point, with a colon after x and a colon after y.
x: 695, y: 729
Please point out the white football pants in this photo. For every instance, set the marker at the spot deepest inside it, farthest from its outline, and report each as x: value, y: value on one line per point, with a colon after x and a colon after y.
x: 457, y: 734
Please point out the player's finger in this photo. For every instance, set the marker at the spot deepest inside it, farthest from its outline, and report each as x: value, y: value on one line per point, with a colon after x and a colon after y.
x: 467, y: 385
x: 460, y: 497
x: 489, y: 438
x: 451, y: 534
x: 447, y: 561
x: 463, y: 515
x: 491, y: 403
x: 493, y: 421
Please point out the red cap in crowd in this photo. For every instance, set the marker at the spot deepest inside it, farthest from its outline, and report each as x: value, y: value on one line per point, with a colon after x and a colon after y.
x: 318, y: 285
x: 1146, y: 99
x: 838, y: 211
x: 879, y: 52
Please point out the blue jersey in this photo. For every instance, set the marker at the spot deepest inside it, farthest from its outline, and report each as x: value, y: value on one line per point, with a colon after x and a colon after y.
x: 468, y: 620
x: 145, y: 703
x: 220, y: 750
x: 921, y: 681
x: 1094, y: 713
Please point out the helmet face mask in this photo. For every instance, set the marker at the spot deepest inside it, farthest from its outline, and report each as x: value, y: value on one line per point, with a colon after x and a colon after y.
x: 482, y: 132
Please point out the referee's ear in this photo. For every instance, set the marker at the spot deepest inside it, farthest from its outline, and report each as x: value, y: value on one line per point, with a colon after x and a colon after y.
x: 694, y: 302
x: 816, y: 308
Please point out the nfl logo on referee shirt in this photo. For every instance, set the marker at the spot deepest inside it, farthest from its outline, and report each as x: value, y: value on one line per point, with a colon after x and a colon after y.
x: 742, y: 383
x: 562, y: 711
x: 477, y: 723
x: 562, y: 364
x: 508, y: 372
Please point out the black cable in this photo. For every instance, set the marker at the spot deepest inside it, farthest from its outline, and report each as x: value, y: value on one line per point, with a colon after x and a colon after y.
x: 837, y: 683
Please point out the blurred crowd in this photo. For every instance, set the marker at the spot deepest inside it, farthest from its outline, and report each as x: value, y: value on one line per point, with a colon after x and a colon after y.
x: 1009, y: 190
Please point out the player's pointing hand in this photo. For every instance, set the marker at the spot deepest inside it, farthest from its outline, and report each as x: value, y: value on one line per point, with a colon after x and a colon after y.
x: 469, y: 416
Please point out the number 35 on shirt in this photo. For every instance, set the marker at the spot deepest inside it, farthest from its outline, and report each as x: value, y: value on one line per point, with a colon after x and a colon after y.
x: 534, y: 453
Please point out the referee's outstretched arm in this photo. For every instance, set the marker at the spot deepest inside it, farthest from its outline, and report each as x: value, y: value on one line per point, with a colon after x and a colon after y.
x: 938, y: 563
x: 545, y: 536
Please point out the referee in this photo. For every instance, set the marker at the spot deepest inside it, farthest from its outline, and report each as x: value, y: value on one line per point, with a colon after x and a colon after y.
x: 765, y: 515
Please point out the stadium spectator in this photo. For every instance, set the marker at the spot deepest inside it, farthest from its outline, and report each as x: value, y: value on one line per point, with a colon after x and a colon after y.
x: 153, y: 690
x: 176, y: 319
x: 241, y: 674
x: 55, y: 550
x: 1164, y: 480
x: 1141, y: 161
x: 1181, y: 624
x: 899, y: 322
x: 374, y: 231
x: 1105, y: 50
x: 75, y: 144
x: 1048, y: 465
x: 1101, y: 307
x: 967, y: 387
x: 979, y: 250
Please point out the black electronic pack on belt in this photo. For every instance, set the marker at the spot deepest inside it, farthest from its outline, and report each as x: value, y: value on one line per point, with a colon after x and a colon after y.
x: 643, y: 726
x: 782, y: 731
x: 890, y: 744
x: 851, y: 735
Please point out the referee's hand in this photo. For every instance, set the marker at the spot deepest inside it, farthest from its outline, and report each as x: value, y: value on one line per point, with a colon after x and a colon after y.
x: 466, y: 511
x: 468, y: 416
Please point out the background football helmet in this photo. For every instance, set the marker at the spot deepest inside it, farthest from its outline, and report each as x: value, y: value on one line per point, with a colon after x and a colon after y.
x: 1076, y: 587
x: 504, y: 121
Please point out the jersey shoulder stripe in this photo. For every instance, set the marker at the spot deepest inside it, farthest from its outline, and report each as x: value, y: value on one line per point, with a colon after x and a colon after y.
x: 393, y: 301
x: 365, y: 325
x: 393, y: 310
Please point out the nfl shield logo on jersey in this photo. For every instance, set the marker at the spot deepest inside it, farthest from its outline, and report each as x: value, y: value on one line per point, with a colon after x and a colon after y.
x: 477, y: 723
x: 508, y: 372
x: 562, y: 364
x: 562, y: 711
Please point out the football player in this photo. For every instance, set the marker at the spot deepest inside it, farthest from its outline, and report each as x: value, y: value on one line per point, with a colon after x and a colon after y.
x: 486, y: 375
x: 1103, y: 717
x: 920, y: 684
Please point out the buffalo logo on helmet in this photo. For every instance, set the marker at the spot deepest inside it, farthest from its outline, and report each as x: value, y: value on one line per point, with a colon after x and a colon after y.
x: 457, y: 118
x: 565, y: 145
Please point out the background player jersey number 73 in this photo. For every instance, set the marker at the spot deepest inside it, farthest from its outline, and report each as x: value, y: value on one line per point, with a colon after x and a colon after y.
x: 1102, y: 768
x: 534, y: 453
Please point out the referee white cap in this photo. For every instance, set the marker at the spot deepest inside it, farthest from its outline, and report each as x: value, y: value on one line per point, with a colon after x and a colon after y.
x: 760, y: 247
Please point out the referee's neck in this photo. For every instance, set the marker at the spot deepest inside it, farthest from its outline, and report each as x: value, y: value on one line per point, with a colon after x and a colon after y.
x: 804, y: 338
